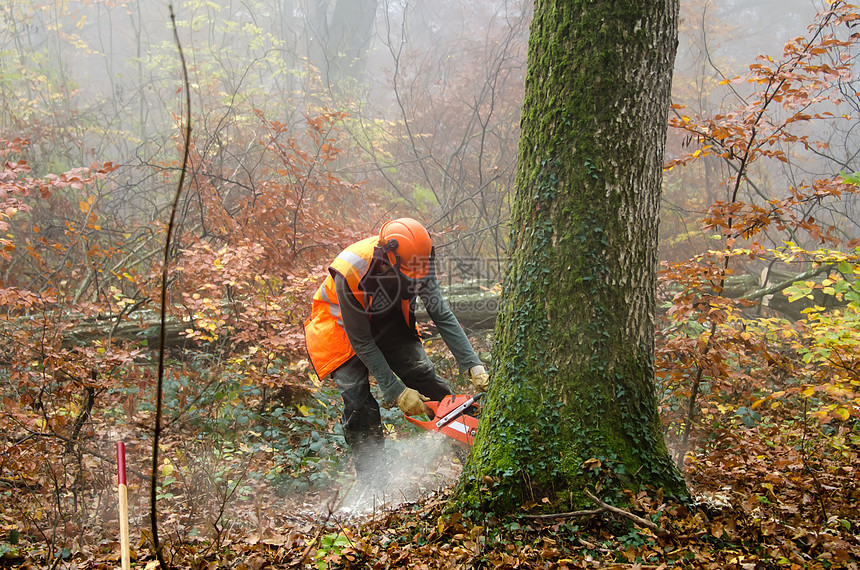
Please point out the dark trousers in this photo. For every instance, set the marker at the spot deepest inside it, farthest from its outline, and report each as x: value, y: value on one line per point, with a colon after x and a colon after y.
x: 362, y: 423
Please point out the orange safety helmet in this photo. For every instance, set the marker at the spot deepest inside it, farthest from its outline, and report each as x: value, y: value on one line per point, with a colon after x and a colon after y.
x: 408, y: 247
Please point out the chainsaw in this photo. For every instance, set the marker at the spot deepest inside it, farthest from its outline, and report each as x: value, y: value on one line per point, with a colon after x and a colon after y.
x: 454, y: 416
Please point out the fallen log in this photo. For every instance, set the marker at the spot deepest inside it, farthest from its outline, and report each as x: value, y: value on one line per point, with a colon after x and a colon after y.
x: 474, y: 304
x: 143, y: 326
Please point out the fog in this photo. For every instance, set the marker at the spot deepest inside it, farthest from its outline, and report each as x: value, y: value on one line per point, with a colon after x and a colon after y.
x: 312, y: 121
x: 429, y: 91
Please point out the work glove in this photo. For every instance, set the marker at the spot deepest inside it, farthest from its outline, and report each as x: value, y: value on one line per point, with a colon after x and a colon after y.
x: 411, y: 403
x: 479, y: 378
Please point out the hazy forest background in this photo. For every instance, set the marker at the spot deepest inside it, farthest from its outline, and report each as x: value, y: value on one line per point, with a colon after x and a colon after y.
x: 313, y: 121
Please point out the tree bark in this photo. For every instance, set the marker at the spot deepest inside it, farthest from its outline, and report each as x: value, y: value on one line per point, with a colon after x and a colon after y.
x: 571, y: 403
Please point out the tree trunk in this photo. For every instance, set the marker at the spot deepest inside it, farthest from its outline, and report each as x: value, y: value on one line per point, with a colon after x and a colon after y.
x: 341, y: 32
x: 571, y: 405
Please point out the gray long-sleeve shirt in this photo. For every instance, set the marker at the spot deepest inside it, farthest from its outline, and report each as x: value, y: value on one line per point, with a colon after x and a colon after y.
x: 360, y: 330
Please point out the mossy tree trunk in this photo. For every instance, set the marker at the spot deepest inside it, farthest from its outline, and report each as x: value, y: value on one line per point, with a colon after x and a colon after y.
x: 572, y: 404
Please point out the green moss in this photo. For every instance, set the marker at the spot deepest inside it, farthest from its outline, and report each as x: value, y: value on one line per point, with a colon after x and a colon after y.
x: 569, y: 385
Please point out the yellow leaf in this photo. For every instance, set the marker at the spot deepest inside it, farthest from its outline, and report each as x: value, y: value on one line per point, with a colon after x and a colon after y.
x: 303, y: 410
x: 808, y: 392
x: 842, y: 414
x: 84, y: 206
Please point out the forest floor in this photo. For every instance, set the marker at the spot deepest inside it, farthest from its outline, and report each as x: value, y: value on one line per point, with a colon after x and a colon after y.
x: 762, y: 501
x: 775, y: 489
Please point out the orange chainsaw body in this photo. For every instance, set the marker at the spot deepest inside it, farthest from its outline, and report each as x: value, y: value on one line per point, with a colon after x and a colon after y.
x: 453, y: 416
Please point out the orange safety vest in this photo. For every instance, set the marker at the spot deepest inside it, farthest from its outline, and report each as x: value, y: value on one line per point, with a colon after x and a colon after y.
x: 327, y: 343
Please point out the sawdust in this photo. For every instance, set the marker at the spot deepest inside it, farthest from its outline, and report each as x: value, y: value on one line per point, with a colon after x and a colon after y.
x: 410, y: 470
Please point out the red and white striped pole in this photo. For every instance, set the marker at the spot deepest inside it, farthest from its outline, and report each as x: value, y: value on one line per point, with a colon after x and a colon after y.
x: 123, y: 505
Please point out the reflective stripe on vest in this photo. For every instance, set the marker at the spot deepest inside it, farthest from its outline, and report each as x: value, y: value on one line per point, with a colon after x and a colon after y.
x: 333, y: 306
x: 355, y: 262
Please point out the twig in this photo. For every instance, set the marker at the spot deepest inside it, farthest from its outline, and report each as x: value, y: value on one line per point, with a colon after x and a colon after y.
x: 602, y: 507
x: 635, y: 518
x: 162, y: 336
x: 566, y: 515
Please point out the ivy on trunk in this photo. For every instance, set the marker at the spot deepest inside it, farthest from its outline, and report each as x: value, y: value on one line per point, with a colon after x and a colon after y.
x: 572, y: 406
